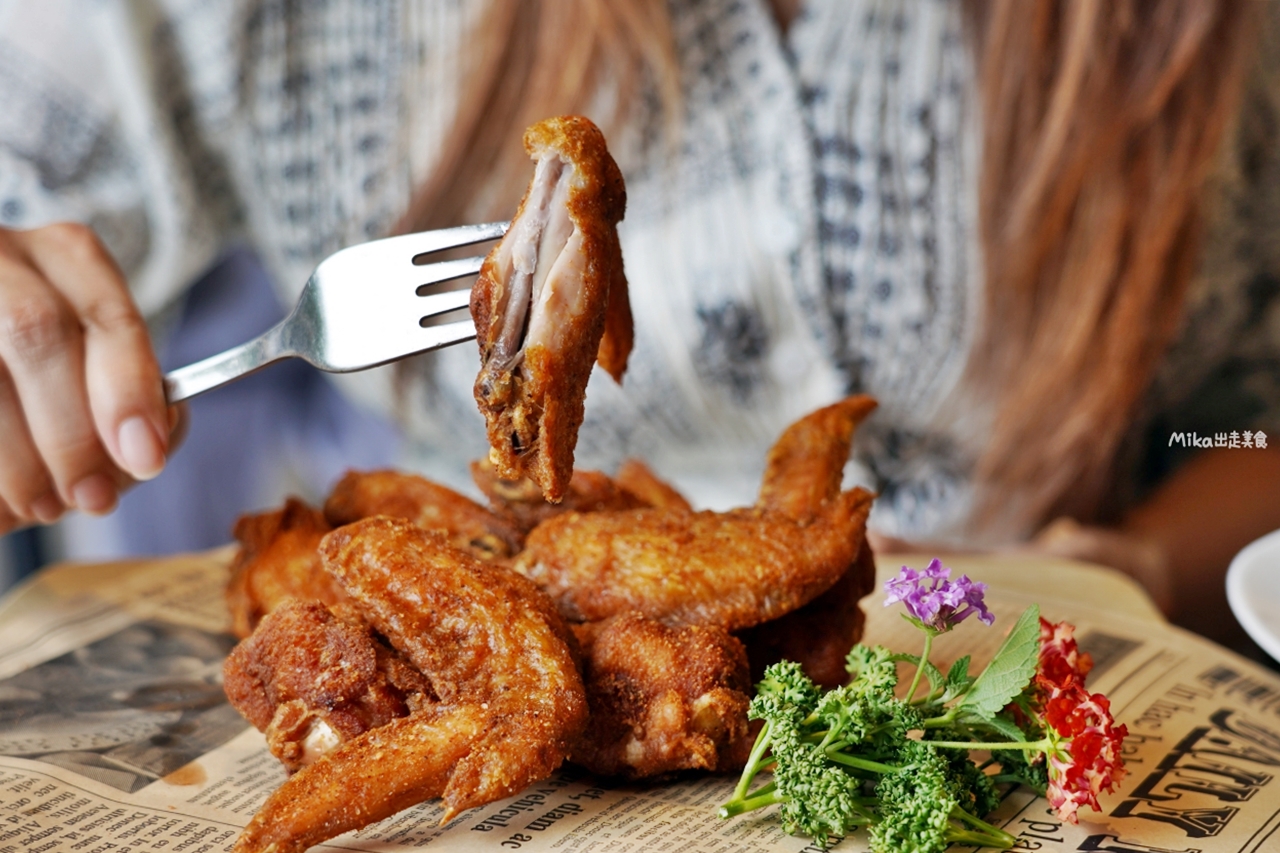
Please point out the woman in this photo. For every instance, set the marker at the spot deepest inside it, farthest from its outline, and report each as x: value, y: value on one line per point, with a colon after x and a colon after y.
x: 997, y: 218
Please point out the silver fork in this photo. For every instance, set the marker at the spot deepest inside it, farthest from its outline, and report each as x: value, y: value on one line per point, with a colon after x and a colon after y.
x: 363, y: 306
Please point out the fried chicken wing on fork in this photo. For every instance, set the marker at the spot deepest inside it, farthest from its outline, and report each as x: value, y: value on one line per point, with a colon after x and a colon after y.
x: 551, y: 298
x: 495, y: 653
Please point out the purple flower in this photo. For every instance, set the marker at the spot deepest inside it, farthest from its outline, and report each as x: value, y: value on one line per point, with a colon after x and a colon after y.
x: 935, y: 601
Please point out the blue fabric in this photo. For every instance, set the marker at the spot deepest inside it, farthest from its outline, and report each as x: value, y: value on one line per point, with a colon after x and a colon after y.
x: 282, y: 430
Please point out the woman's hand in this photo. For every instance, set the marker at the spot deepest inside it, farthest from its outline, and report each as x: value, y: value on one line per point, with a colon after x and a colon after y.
x: 82, y: 408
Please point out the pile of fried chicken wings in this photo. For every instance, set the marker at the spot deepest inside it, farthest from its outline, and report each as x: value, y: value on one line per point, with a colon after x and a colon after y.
x: 405, y: 643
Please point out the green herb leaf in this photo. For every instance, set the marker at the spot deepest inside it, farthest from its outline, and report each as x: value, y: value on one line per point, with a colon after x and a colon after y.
x: 958, y: 680
x: 1003, y: 726
x: 1009, y: 671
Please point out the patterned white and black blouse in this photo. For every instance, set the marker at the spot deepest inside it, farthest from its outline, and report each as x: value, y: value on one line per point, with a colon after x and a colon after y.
x: 813, y: 235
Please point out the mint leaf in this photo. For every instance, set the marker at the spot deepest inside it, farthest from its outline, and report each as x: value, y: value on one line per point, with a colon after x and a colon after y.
x: 959, y: 671
x: 1005, y: 727
x: 958, y: 679
x: 1010, y: 670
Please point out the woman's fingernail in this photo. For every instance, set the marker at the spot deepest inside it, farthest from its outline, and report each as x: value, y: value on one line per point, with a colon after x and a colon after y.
x: 95, y: 493
x: 140, y: 448
x: 48, y: 509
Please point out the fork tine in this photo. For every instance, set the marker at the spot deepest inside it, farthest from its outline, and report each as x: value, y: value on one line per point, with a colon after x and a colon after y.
x: 441, y: 303
x: 435, y: 337
x: 427, y: 242
x: 447, y: 270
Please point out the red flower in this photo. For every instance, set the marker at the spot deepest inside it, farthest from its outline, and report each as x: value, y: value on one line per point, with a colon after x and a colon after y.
x: 1061, y: 661
x: 1084, y: 758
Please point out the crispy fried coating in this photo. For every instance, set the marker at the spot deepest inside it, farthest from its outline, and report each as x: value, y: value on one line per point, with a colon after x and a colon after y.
x: 818, y: 635
x: 662, y: 699
x: 277, y: 561
x: 311, y: 679
x: 803, y: 473
x: 494, y: 652
x: 465, y: 523
x: 551, y: 298
x: 638, y: 478
x: 804, y: 467
x: 520, y: 502
x: 733, y: 569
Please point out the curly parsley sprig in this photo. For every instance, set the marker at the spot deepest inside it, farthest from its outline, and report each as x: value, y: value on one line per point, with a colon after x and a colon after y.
x: 902, y: 767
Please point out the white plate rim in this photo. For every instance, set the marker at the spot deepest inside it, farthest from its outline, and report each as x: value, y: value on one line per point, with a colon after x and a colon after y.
x: 1243, y: 569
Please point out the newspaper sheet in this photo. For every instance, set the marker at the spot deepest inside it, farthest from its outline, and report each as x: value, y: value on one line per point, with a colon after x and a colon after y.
x: 115, y: 733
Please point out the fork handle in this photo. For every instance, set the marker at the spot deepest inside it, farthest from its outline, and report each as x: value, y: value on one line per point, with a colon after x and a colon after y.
x: 218, y: 370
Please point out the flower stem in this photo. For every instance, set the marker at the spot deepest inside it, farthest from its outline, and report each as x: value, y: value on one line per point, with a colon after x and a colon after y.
x: 753, y: 763
x: 997, y: 838
x: 1039, y: 745
x: 766, y: 796
x: 979, y: 832
x: 860, y: 763
x: 924, y: 657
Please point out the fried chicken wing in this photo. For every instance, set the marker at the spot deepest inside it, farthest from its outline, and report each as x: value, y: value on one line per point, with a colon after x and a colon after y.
x: 520, y: 502
x: 804, y: 467
x: 465, y: 523
x: 368, y: 778
x: 494, y: 652
x: 818, y: 635
x: 310, y: 679
x: 277, y: 561
x: 790, y: 565
x: 733, y: 569
x: 662, y: 699
x: 803, y: 472
x: 637, y: 478
x: 551, y: 298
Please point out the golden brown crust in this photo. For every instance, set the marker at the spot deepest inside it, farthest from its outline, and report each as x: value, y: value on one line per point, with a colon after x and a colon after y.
x: 412, y: 586
x: 492, y: 677
x: 533, y: 405
x: 520, y: 502
x: 303, y: 666
x: 818, y: 635
x: 619, y: 332
x: 465, y: 523
x: 662, y: 699
x: 277, y: 561
x: 637, y: 478
x: 733, y: 569
x: 804, y: 467
x: 494, y: 652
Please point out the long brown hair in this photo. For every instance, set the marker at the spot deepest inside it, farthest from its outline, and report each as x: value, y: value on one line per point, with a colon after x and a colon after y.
x: 1100, y: 123
x: 1101, y: 119
x: 530, y: 59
